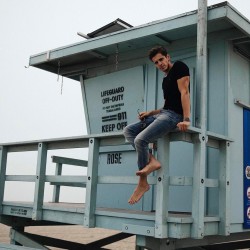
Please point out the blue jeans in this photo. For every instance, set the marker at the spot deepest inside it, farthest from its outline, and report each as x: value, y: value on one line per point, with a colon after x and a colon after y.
x: 141, y: 133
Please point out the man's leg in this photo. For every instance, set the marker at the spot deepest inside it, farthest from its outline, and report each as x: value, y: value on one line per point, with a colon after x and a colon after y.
x: 152, y: 166
x: 165, y: 122
x: 140, y: 190
x: 131, y: 131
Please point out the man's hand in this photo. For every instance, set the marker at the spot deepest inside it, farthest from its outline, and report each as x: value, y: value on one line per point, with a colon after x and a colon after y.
x: 183, y: 126
x: 143, y: 115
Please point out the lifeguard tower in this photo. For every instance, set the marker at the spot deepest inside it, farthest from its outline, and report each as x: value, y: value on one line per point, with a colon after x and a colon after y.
x: 200, y: 197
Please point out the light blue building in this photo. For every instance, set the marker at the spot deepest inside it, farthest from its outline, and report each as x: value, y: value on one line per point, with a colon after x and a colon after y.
x: 203, y: 190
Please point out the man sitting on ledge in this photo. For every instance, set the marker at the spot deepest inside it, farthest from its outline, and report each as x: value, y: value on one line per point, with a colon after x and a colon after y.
x: 157, y: 123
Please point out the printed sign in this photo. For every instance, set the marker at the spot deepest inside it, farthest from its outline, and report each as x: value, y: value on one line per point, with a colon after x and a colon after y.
x: 18, y: 211
x: 112, y: 100
x: 114, y: 158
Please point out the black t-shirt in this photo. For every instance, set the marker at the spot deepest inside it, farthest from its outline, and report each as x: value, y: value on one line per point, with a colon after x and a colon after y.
x: 170, y: 89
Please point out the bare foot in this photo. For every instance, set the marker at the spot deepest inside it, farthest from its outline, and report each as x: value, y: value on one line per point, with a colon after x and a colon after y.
x: 152, y: 166
x: 138, y: 193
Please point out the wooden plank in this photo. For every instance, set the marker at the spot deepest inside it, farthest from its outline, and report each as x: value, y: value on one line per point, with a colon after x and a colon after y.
x: 24, y: 178
x: 107, y: 139
x: 65, y: 142
x: 180, y: 181
x: 241, y: 104
x: 125, y: 213
x: 138, y: 230
x: 124, y: 180
x: 69, y: 161
x: 66, y: 179
x: 69, y: 184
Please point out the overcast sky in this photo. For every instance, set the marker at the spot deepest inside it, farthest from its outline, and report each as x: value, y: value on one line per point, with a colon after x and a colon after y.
x: 31, y: 104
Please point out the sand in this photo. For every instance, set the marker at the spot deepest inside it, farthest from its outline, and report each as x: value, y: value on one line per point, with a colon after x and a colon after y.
x: 73, y: 233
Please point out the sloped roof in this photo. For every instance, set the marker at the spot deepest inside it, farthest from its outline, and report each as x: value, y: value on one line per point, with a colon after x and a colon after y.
x: 114, y: 26
x: 162, y: 32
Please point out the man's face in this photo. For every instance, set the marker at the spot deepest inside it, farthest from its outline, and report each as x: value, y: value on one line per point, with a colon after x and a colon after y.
x: 162, y: 62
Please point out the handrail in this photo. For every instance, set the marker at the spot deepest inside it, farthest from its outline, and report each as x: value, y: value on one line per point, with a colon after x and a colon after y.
x: 83, y: 141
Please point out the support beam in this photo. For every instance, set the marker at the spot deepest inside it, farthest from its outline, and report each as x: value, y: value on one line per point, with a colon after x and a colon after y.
x: 224, y: 189
x: 38, y: 241
x: 198, y: 196
x: 3, y: 165
x: 91, y: 190
x: 25, y: 240
x: 69, y: 161
x: 40, y: 181
x: 162, y: 194
x: 198, y: 202
x: 201, y: 72
x: 56, y: 190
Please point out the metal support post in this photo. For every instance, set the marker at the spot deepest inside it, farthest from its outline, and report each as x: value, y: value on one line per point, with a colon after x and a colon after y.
x: 3, y: 165
x: 162, y: 194
x: 40, y: 181
x: 91, y: 189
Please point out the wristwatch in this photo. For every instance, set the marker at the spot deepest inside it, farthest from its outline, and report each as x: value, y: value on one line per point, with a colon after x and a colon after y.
x: 186, y: 119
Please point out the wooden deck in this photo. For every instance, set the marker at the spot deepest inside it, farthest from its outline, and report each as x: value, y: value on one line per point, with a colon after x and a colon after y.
x: 129, y: 221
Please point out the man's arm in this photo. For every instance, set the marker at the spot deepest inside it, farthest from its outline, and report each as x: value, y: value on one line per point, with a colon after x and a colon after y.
x: 183, y: 86
x: 143, y: 115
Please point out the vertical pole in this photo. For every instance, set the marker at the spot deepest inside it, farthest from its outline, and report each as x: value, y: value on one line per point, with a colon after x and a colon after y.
x: 56, y: 190
x: 198, y: 203
x: 3, y: 164
x: 91, y: 188
x: 162, y: 194
x: 198, y: 197
x: 202, y: 62
x: 224, y: 189
x: 40, y: 181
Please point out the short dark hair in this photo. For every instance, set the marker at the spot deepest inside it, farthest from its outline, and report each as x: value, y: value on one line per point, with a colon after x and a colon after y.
x: 154, y: 51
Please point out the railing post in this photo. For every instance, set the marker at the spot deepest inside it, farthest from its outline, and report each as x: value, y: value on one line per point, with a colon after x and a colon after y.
x: 198, y: 196
x: 56, y: 190
x: 224, y: 189
x: 162, y: 194
x: 3, y: 164
x: 91, y: 188
x: 40, y: 181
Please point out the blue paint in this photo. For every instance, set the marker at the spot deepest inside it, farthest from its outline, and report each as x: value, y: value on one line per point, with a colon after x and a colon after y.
x: 246, y: 170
